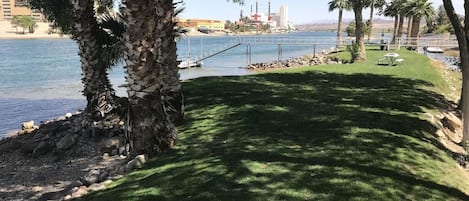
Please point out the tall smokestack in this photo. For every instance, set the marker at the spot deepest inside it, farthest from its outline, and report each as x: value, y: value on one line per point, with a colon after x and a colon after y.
x: 268, y: 14
x: 257, y: 7
x: 251, y: 10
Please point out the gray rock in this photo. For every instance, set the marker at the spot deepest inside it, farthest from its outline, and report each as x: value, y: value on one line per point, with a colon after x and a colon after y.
x: 10, y: 146
x: 107, y: 145
x: 42, y: 149
x: 66, y: 142
x: 91, y: 177
x: 76, y: 183
x: 136, y: 163
x: 103, y: 176
x: 97, y: 187
x: 79, y: 192
x: 28, y: 147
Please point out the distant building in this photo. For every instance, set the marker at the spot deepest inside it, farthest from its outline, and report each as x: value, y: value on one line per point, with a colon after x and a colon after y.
x: 11, y: 8
x: 216, y: 25
x: 275, y: 19
x: 260, y: 18
x: 283, y: 17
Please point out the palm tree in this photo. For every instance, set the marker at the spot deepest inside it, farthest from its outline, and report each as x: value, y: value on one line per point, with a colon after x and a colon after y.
x: 151, y: 73
x: 392, y: 11
x: 341, y: 5
x: 357, y: 6
x: 98, y: 90
x: 400, y: 9
x: 419, y: 9
x: 98, y: 49
x: 374, y: 4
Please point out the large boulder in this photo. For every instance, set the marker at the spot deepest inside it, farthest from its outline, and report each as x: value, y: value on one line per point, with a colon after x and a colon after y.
x: 136, y: 163
x: 42, y: 149
x: 66, y: 142
x: 27, y: 125
x: 107, y: 145
x: 9, y: 146
x: 91, y: 177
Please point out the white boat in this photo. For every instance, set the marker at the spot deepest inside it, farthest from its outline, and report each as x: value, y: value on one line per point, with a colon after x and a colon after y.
x: 189, y: 64
x: 434, y: 50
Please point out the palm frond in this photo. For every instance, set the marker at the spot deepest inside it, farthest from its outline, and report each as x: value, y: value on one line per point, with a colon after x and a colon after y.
x: 110, y: 37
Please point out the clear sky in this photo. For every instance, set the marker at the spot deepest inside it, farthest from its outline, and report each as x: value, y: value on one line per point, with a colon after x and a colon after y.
x: 299, y: 11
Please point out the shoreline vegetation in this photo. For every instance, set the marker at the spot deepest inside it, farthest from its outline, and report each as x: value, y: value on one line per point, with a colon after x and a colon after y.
x: 225, y: 126
x: 7, y: 31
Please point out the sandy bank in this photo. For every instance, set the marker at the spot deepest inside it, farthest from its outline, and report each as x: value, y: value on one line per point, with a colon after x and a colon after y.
x: 7, y: 31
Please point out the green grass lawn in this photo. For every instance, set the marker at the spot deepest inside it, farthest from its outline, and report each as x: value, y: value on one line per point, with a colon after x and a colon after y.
x: 335, y: 132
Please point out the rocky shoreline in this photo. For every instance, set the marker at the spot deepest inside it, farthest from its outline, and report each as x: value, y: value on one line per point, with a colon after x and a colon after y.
x: 306, y: 60
x: 61, y: 160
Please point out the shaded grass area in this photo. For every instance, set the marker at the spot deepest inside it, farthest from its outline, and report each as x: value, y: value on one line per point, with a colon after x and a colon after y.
x: 339, y: 132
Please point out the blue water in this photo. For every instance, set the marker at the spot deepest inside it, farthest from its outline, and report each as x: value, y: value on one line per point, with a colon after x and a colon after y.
x: 40, y: 78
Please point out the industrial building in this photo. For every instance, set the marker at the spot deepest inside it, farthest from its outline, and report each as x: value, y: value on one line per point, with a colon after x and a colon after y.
x: 11, y: 8
x: 214, y: 25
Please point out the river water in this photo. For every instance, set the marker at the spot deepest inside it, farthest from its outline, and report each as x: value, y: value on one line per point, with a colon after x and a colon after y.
x: 40, y: 78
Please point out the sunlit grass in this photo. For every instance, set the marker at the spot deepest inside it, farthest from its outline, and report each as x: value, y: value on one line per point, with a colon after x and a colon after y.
x: 335, y: 132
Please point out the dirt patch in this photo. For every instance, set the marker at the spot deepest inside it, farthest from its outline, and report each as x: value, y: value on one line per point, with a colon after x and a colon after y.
x: 51, y: 162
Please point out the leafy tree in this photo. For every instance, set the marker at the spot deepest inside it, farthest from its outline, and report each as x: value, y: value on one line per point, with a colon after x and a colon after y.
x: 15, y: 21
x: 442, y: 21
x: 350, y: 29
x: 25, y: 22
x: 461, y: 30
x: 340, y: 5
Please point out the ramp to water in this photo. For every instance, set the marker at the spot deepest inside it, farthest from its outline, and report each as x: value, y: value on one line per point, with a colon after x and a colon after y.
x: 218, y: 52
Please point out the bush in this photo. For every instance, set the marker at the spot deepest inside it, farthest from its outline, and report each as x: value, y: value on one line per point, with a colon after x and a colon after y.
x: 25, y: 22
x: 354, y: 50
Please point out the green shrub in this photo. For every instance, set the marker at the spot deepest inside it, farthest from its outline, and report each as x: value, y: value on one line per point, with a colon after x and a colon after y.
x: 354, y: 50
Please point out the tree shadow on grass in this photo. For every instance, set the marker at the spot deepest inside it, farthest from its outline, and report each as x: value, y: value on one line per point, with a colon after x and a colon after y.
x: 303, y: 136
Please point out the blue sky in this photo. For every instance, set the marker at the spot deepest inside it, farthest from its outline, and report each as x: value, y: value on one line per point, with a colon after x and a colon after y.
x: 300, y: 11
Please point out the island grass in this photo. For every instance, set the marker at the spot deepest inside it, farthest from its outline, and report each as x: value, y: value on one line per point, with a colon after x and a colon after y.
x: 335, y: 132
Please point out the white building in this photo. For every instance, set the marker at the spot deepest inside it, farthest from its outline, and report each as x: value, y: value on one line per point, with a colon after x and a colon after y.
x: 283, y: 17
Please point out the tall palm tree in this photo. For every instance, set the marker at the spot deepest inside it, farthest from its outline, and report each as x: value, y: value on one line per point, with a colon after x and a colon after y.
x: 400, y: 9
x: 419, y: 9
x: 151, y: 69
x: 391, y: 11
x: 379, y: 4
x: 341, y: 5
x: 357, y: 6
x: 97, y: 87
x: 98, y: 48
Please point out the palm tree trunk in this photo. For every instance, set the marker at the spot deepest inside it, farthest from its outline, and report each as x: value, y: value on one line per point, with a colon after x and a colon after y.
x: 409, y: 26
x: 359, y: 31
x: 339, y: 28
x: 151, y: 63
x: 394, y: 33
x: 414, y: 33
x: 401, y: 26
x: 97, y: 87
x: 372, y: 10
